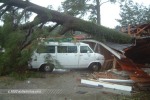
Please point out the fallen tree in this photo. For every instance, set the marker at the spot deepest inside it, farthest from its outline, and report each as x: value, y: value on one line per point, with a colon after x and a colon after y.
x: 68, y: 22
x: 16, y: 57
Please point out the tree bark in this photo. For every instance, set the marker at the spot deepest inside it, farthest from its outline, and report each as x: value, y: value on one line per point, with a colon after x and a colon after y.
x: 98, y: 12
x: 67, y: 21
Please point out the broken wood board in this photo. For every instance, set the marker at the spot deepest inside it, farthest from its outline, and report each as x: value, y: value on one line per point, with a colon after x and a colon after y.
x: 107, y: 85
x: 110, y: 75
x: 116, y: 80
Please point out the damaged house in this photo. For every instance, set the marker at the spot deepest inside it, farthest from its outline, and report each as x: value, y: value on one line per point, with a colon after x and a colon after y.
x: 132, y: 58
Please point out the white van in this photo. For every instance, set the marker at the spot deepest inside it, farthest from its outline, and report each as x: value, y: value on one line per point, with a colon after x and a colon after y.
x: 65, y: 55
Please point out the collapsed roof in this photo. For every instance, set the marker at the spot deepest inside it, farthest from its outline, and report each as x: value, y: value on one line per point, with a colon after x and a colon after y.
x: 140, y: 51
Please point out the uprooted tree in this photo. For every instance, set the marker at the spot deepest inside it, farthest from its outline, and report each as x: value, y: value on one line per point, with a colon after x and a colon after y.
x: 16, y: 36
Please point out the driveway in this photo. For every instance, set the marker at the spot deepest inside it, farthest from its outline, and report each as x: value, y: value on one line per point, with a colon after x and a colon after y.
x: 58, y: 85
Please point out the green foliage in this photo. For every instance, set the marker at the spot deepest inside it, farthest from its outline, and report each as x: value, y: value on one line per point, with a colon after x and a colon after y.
x: 102, y: 33
x: 51, y: 61
x: 6, y: 29
x: 13, y: 59
x: 133, y: 14
x: 115, y: 36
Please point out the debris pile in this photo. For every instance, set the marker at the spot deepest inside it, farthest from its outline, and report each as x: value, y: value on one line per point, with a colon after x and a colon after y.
x: 108, y: 80
x: 111, y: 79
x: 108, y: 75
x: 132, y: 61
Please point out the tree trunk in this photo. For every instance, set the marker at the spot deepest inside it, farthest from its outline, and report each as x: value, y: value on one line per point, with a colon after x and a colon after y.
x: 98, y: 12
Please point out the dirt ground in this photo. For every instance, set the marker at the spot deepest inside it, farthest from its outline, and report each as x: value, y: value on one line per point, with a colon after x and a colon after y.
x: 58, y: 85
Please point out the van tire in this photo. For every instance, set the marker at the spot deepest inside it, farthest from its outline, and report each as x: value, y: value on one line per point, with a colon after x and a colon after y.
x: 47, y: 67
x: 95, y: 67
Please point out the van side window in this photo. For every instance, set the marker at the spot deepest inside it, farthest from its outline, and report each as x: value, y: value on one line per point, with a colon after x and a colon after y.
x: 72, y: 49
x: 46, y: 49
x: 51, y: 49
x: 67, y: 49
x: 62, y: 49
x: 85, y: 49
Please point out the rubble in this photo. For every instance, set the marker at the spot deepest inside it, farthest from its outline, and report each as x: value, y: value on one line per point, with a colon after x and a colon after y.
x: 127, y: 65
x: 108, y: 79
x: 109, y: 75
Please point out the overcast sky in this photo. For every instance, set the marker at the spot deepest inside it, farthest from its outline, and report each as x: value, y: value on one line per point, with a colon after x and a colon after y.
x: 109, y: 12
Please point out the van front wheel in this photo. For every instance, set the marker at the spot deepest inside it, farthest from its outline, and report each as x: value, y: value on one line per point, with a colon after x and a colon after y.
x: 95, y: 67
x: 47, y: 67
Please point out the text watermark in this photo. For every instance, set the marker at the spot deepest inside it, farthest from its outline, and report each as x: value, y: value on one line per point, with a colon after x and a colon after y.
x: 30, y: 91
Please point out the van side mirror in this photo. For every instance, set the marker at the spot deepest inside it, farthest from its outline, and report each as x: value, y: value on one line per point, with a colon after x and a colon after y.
x: 88, y: 51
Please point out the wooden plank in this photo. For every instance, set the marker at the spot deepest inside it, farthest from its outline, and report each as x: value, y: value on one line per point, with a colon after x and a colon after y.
x: 107, y: 64
x: 107, y: 85
x: 116, y: 80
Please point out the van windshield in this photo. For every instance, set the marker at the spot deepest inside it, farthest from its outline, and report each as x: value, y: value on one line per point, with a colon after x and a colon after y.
x: 85, y: 49
x: 46, y: 49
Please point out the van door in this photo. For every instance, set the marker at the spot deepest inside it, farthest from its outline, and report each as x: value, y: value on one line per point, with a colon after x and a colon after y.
x: 86, y: 56
x: 67, y: 56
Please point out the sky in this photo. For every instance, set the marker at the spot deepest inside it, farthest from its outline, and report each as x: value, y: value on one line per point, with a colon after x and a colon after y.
x: 109, y: 12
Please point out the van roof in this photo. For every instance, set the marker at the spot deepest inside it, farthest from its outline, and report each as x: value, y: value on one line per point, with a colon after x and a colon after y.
x: 66, y: 43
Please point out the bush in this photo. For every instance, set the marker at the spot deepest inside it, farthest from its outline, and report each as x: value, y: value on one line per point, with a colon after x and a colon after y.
x: 14, y: 59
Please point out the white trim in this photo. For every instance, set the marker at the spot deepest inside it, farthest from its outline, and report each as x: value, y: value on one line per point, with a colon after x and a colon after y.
x: 116, y: 80
x: 107, y: 85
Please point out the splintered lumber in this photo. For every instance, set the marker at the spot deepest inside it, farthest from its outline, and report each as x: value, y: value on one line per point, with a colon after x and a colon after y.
x: 107, y: 85
x: 104, y: 75
x: 116, y: 80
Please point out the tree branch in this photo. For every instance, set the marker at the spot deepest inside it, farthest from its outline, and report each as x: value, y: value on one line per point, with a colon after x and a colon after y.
x: 103, y: 3
x: 27, y: 41
x: 35, y: 22
x: 64, y: 29
x: 7, y: 8
x: 23, y: 12
x: 2, y: 6
x: 41, y: 25
x: 52, y: 28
